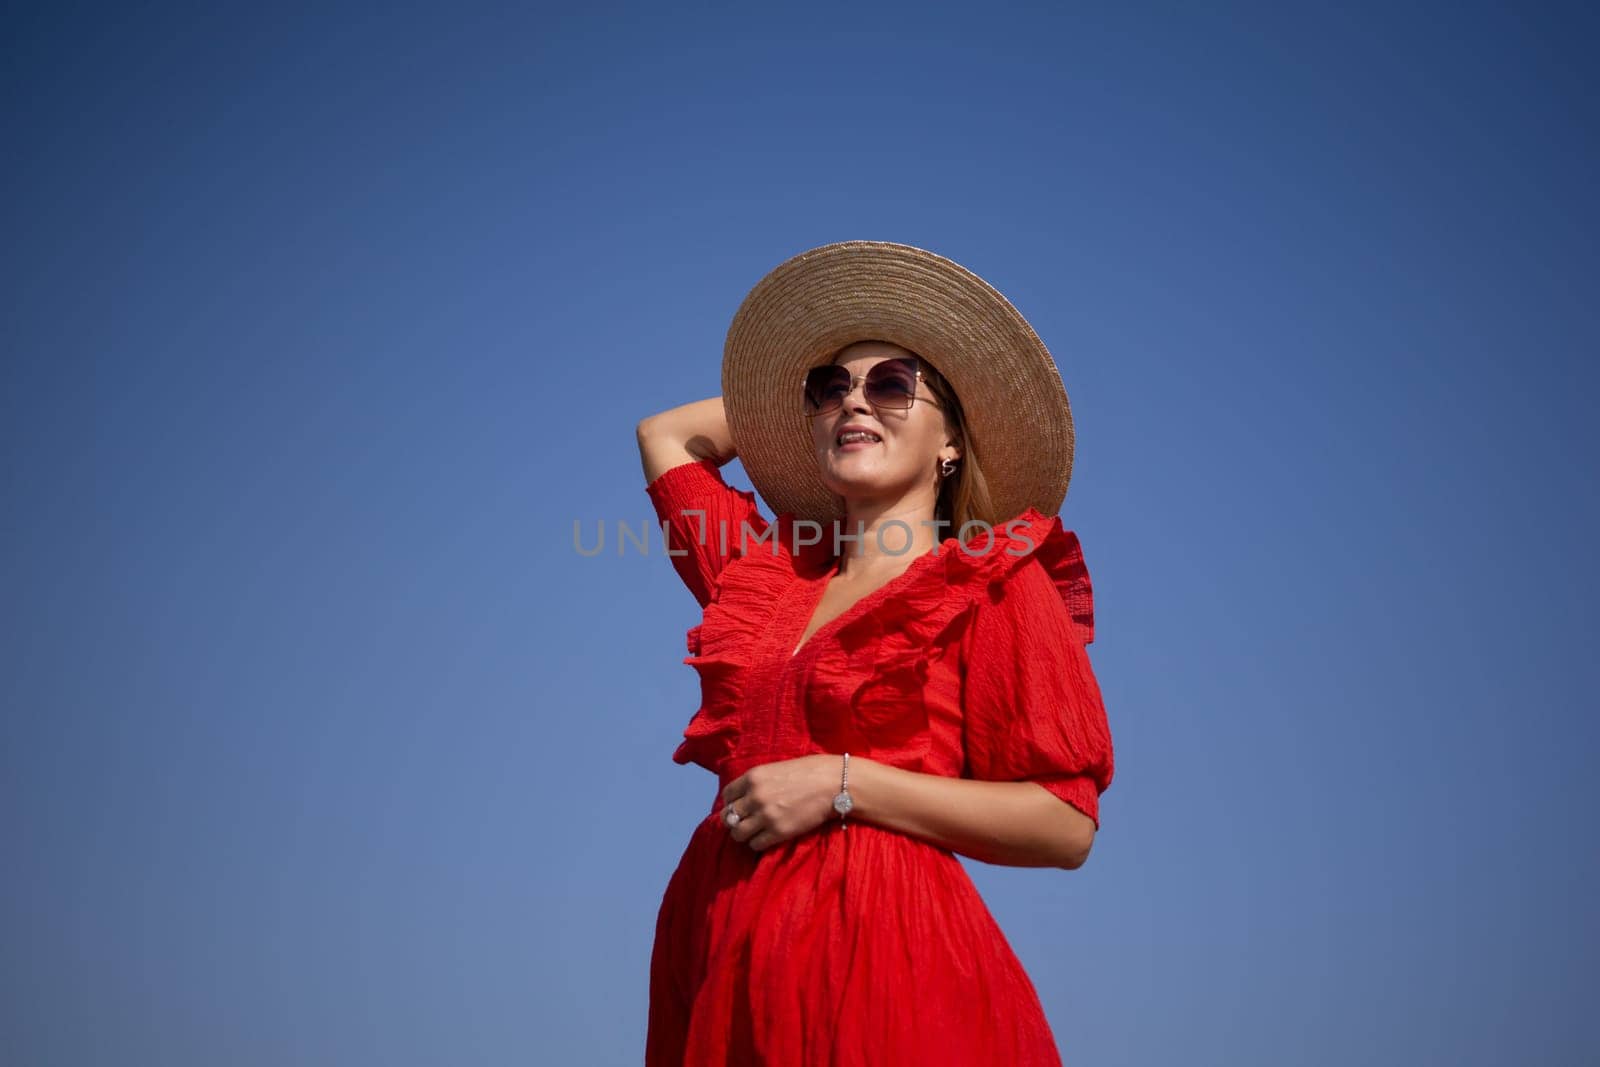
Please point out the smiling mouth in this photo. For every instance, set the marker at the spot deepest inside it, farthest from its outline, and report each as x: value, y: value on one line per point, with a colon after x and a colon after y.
x: 855, y: 437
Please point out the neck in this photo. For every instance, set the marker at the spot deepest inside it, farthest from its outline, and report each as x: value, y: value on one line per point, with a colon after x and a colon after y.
x: 883, y: 533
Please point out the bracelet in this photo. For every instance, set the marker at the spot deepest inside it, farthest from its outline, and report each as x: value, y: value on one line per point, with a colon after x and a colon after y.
x: 842, y: 802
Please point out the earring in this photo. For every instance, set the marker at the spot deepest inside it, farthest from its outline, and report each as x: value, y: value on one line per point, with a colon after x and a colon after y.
x: 947, y: 467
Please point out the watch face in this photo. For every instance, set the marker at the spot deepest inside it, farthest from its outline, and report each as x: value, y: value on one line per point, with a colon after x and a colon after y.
x: 841, y: 803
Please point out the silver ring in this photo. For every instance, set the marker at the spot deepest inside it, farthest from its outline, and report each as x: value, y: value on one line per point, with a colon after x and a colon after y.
x: 731, y: 818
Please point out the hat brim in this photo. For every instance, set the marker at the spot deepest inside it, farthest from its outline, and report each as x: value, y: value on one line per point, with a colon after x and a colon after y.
x: 1019, y: 420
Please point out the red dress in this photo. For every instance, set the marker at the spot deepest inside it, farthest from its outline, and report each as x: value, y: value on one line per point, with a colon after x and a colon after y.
x: 863, y: 945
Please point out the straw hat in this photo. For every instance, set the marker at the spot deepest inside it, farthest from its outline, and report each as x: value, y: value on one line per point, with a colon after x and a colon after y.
x: 1019, y: 421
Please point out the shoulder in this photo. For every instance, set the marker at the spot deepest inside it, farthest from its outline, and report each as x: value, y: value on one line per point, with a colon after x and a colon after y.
x: 1029, y: 565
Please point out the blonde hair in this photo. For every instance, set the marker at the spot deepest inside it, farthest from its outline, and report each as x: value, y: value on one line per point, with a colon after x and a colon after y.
x: 964, y: 495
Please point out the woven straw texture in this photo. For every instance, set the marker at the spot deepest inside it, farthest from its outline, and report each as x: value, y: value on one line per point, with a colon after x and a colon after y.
x: 1019, y: 420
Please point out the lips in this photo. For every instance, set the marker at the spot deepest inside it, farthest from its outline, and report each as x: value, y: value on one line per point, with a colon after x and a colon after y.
x: 871, y: 436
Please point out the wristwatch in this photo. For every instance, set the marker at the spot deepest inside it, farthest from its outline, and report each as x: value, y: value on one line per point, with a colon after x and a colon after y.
x: 842, y: 802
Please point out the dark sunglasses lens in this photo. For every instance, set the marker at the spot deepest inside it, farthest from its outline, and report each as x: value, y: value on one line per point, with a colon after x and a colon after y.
x: 891, y: 384
x: 826, y: 387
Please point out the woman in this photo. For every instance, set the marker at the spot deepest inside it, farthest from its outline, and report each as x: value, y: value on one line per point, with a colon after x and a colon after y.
x: 893, y: 672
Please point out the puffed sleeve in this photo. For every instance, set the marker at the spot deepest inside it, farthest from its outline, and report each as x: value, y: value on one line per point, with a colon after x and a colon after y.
x: 704, y: 519
x: 1031, y: 706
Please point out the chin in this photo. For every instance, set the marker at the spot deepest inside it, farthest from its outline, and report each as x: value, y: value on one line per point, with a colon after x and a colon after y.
x: 848, y: 478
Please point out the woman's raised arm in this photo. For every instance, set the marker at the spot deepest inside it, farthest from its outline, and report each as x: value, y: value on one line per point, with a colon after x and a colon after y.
x: 694, y: 431
x: 703, y: 518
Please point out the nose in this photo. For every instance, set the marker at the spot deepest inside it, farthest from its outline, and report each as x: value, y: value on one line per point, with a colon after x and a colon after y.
x: 856, y: 398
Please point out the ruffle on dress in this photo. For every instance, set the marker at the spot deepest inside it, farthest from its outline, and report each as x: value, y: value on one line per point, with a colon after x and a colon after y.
x: 725, y: 645
x: 1031, y: 707
x: 878, y: 656
x: 704, y: 522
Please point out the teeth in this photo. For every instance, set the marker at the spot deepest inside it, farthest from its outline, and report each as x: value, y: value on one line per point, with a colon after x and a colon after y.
x: 856, y: 435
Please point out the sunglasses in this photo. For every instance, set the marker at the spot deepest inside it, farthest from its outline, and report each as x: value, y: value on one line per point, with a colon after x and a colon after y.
x: 890, y: 384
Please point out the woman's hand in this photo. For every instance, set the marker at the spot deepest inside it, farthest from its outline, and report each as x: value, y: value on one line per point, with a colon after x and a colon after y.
x: 781, y: 800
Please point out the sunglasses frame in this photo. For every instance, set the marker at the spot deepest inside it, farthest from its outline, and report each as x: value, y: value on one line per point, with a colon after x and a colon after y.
x: 916, y: 374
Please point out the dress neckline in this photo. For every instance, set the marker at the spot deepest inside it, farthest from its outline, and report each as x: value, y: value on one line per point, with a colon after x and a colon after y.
x: 817, y: 587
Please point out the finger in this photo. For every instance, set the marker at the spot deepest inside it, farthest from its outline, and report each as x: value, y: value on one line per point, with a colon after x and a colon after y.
x: 748, y: 827
x: 736, y: 788
x: 765, y: 839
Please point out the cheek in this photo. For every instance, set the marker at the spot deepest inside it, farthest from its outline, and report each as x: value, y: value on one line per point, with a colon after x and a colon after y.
x: 921, y: 445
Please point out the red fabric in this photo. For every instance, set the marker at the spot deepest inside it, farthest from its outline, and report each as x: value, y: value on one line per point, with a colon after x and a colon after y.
x: 864, y: 945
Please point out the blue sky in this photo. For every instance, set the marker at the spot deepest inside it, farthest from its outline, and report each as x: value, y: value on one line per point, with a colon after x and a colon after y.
x: 322, y: 745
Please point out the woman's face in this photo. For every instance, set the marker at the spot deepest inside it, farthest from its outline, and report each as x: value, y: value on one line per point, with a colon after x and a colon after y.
x: 903, y: 459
